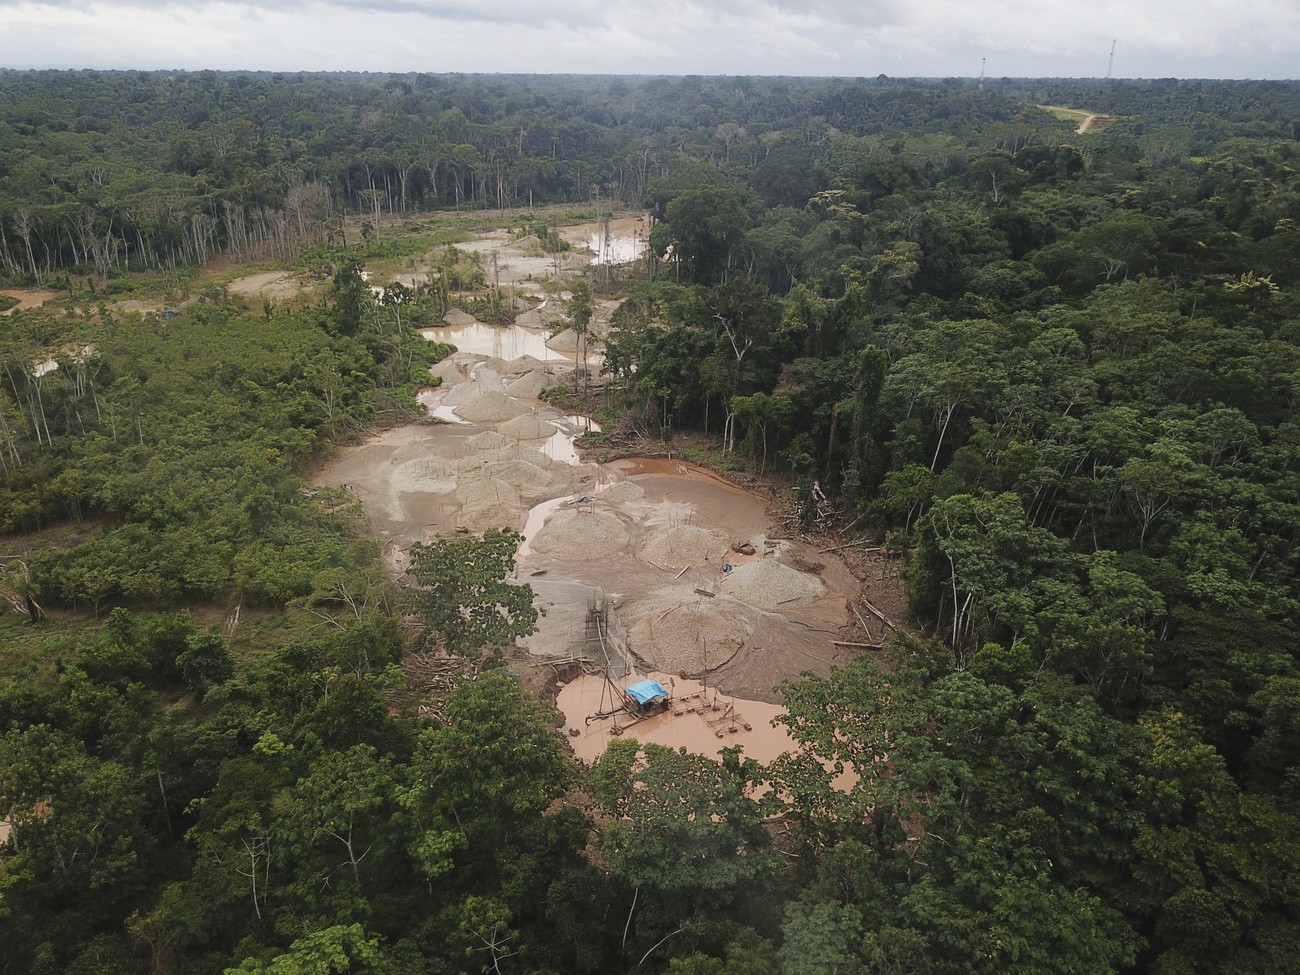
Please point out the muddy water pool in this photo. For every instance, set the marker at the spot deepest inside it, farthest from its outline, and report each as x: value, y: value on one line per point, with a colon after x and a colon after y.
x: 721, y: 724
x: 616, y: 249
x: 715, y: 721
x: 503, y: 342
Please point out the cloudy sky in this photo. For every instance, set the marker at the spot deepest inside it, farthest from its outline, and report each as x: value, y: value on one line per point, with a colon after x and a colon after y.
x: 929, y: 38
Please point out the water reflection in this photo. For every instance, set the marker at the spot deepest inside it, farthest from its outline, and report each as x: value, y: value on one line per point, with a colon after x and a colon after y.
x: 430, y: 397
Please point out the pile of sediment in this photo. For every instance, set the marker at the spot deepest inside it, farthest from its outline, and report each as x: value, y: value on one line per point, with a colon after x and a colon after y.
x: 687, y: 640
x: 511, y: 451
x: 528, y: 426
x: 621, y: 493
x: 487, y: 515
x: 530, y: 385
x: 524, y: 364
x: 520, y: 473
x: 458, y: 317
x: 414, y: 450
x: 580, y: 535
x: 681, y: 546
x: 487, y: 489
x: 491, y: 407
x: 567, y: 341
x: 487, y: 440
x: 461, y: 393
x: 449, y: 371
x: 770, y: 585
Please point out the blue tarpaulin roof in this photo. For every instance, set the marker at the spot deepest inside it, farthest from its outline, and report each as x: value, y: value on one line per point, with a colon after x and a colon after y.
x: 646, y: 691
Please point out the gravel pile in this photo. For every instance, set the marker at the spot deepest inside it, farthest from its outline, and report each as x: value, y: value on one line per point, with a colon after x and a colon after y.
x: 580, y: 536
x: 458, y: 318
x: 520, y: 473
x: 491, y: 407
x: 498, y: 365
x: 683, y: 545
x: 449, y: 371
x: 486, y: 490
x: 412, y: 451
x: 531, y: 385
x: 687, y: 640
x: 461, y: 393
x: 524, y: 364
x: 566, y: 341
x: 768, y: 584
x: 479, y: 518
x: 487, y: 440
x: 512, y: 451
x: 530, y: 426
x: 621, y: 493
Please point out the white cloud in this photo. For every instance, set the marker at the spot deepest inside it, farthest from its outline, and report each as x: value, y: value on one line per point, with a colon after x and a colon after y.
x: 1204, y: 38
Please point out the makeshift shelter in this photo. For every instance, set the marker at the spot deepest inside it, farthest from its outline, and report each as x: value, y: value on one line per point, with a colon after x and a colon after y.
x: 647, y: 692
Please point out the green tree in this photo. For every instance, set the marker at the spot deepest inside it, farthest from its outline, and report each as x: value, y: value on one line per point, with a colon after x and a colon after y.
x: 477, y: 781
x: 341, y: 948
x: 463, y: 595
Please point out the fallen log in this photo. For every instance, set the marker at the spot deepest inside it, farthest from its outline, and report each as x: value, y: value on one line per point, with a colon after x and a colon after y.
x: 836, y: 548
x: 884, y: 619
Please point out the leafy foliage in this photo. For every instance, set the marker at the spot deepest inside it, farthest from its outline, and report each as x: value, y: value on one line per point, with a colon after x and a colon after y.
x: 463, y: 594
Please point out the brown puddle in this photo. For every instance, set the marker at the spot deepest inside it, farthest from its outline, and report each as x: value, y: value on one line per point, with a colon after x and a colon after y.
x: 711, y: 722
x: 636, y: 466
x: 698, y: 730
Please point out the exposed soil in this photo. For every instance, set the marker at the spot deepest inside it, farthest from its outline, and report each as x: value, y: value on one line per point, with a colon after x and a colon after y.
x: 28, y: 298
x: 635, y: 562
x: 273, y: 285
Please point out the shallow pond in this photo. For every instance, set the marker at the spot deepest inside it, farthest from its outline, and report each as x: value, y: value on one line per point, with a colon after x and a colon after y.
x: 616, y: 250
x: 504, y: 342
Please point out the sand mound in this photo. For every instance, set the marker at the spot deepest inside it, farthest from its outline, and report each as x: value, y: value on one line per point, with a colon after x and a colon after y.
x: 517, y: 472
x: 621, y: 493
x: 529, y: 319
x: 683, y: 545
x: 531, y: 385
x: 511, y: 451
x: 487, y: 440
x: 412, y: 451
x: 530, y: 426
x: 449, y: 371
x: 523, y: 364
x: 461, y: 393
x: 580, y: 536
x: 566, y: 341
x: 498, y: 365
x: 686, y: 640
x: 768, y: 584
x: 479, y: 518
x: 458, y: 317
x: 491, y: 407
x: 486, y: 490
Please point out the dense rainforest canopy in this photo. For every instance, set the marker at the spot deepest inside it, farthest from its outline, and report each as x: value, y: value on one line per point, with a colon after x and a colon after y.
x: 1060, y: 370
